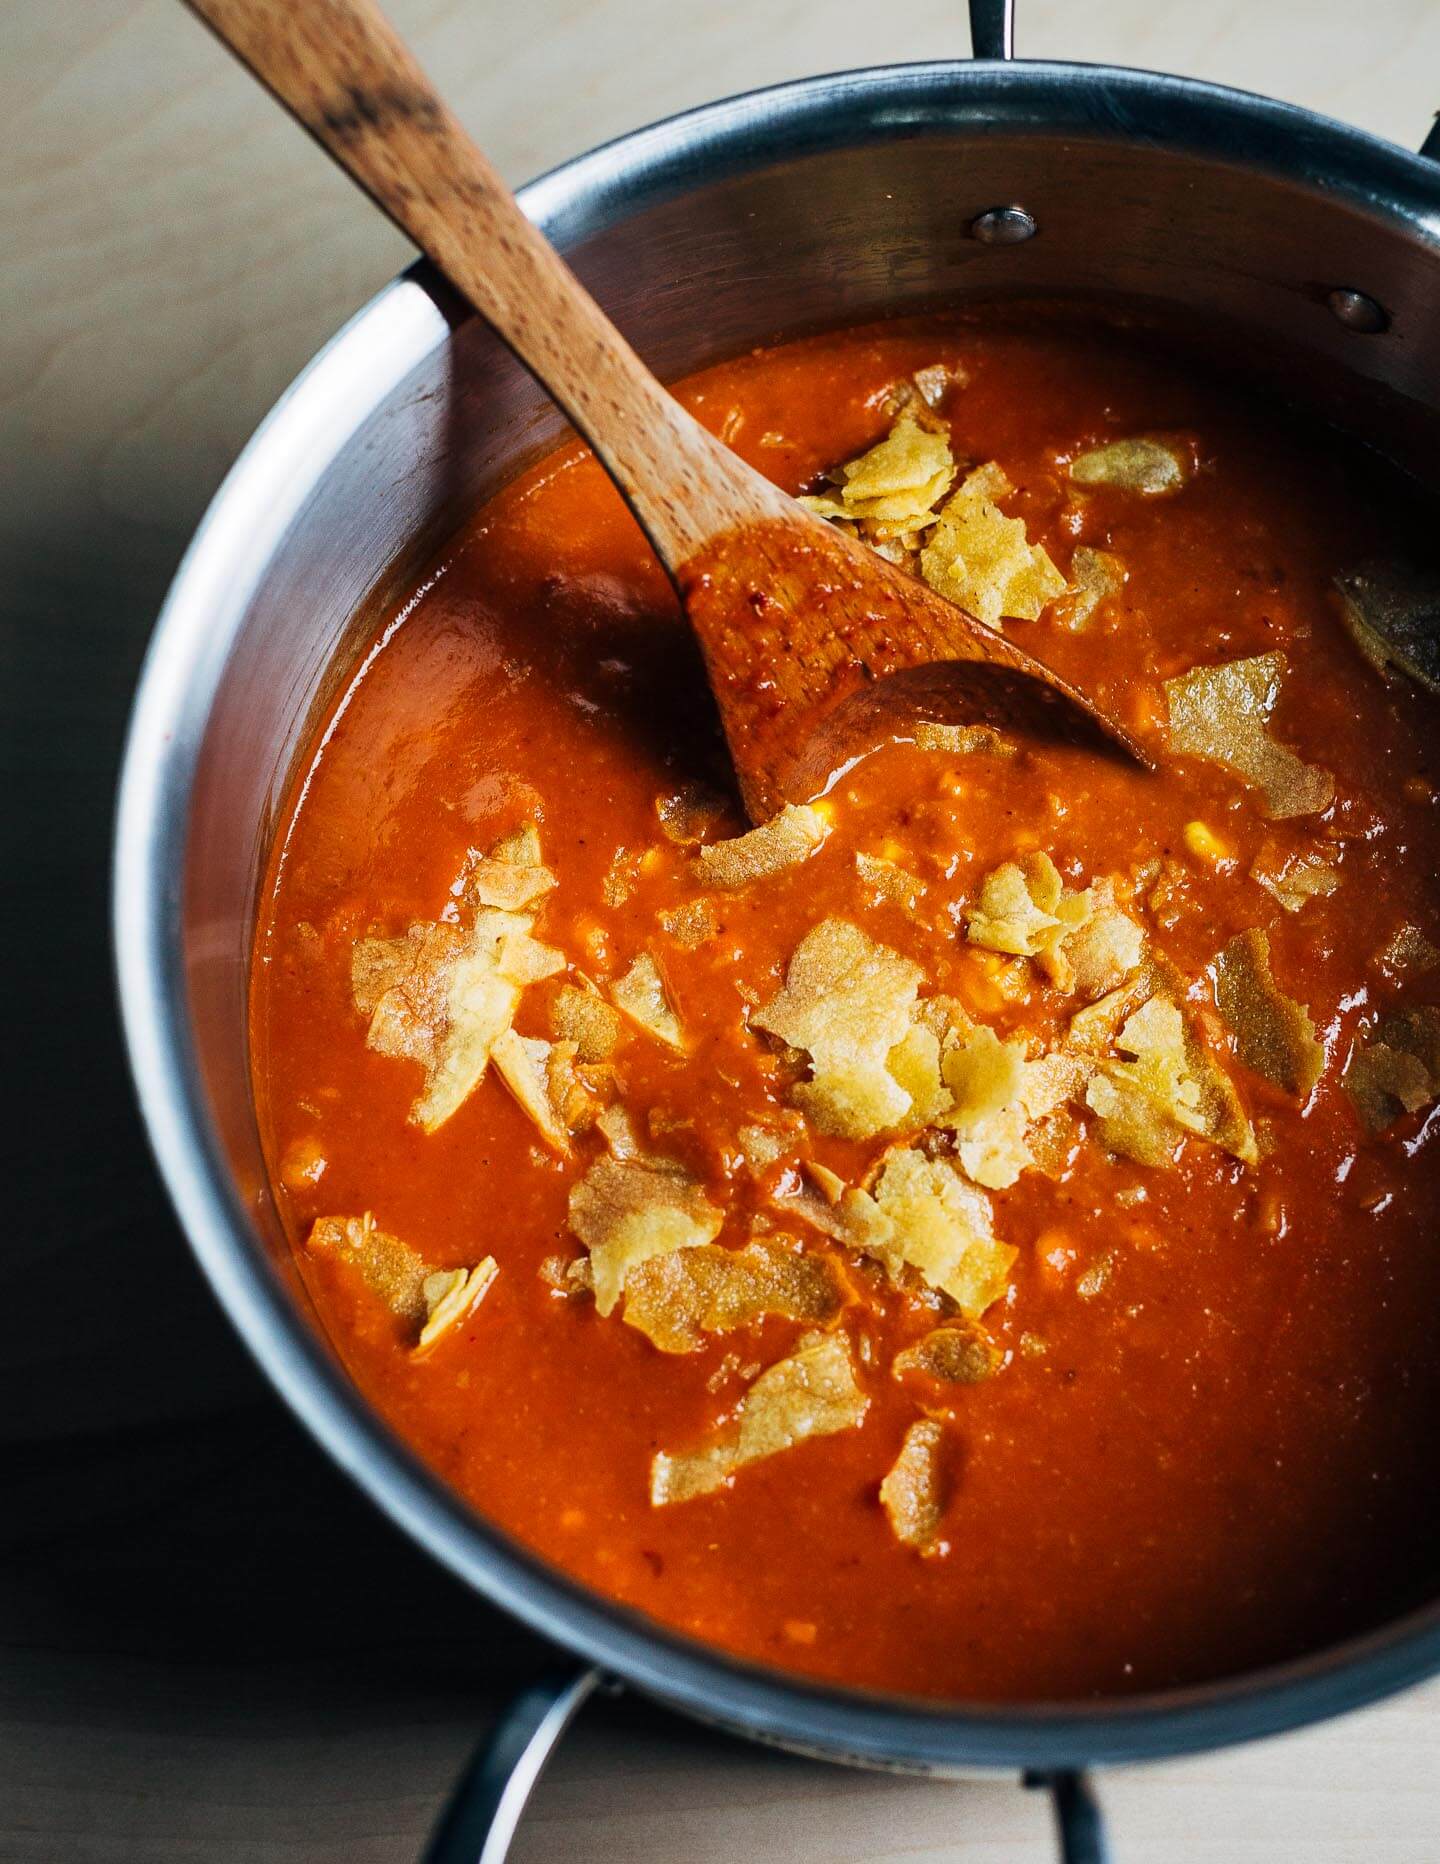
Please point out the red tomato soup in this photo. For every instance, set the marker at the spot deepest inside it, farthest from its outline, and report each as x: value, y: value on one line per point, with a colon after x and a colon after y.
x: 973, y: 1236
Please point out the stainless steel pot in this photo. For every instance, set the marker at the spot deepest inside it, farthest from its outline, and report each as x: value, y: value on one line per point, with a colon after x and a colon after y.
x: 1306, y: 247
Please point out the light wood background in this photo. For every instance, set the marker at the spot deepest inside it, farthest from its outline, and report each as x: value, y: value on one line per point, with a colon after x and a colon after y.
x: 181, y: 1574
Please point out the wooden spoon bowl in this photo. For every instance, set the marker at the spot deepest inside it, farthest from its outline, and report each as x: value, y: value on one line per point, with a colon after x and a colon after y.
x: 805, y: 633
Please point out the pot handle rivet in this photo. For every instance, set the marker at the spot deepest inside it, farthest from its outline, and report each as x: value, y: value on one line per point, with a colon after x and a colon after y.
x: 1357, y: 310
x: 1003, y: 226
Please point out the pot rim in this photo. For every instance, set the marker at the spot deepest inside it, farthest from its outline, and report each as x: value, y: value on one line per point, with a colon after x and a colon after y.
x: 285, y: 459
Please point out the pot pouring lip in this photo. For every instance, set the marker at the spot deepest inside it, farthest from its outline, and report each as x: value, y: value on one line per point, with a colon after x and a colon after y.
x: 203, y: 614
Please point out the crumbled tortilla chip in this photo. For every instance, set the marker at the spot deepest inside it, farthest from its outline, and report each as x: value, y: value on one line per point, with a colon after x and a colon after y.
x: 450, y: 1296
x: 1294, y: 881
x: 441, y: 996
x: 984, y: 561
x: 897, y: 483
x: 387, y: 1266
x: 640, y: 993
x: 1392, y: 611
x: 783, y: 841
x: 935, y: 381
x: 627, y: 1210
x: 1145, y: 1106
x: 1025, y: 909
x: 946, y: 1017
x: 914, y: 1493
x: 762, y: 1146
x: 1094, y: 1028
x: 846, y: 1001
x: 584, y: 1017
x: 1137, y: 465
x: 1095, y: 575
x: 1170, y: 1087
x: 622, y: 876
x: 521, y: 846
x: 1102, y: 952
x: 1409, y: 953
x: 963, y: 740
x: 842, y: 1212
x: 1222, y: 713
x: 510, y: 877
x: 617, y: 1129
x: 889, y: 879
x: 915, y: 1063
x: 567, y: 1275
x: 688, y: 814
x: 986, y: 1078
x: 523, y: 1064
x: 959, y: 1353
x: 813, y: 1393
x: 1273, y: 1033
x: 674, y: 1299
x: 1395, y: 1067
x: 941, y: 1226
x: 691, y: 925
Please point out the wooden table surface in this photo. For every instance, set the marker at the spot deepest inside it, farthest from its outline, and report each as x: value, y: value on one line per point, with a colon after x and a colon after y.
x: 212, y: 1649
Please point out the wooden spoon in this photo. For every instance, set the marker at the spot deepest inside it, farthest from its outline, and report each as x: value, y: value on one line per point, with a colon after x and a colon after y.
x: 816, y: 649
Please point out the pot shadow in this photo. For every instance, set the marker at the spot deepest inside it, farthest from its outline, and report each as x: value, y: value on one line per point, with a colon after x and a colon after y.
x: 163, y: 1508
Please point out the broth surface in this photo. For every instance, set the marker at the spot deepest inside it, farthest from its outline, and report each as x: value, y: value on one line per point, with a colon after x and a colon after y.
x: 1209, y: 1442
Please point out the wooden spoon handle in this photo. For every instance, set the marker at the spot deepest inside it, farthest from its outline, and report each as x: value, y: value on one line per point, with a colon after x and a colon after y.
x: 345, y: 74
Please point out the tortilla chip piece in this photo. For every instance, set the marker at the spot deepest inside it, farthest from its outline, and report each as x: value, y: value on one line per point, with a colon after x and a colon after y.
x: 898, y: 482
x: 962, y: 740
x: 675, y: 1299
x: 451, y: 1295
x: 959, y: 1353
x: 628, y: 1210
x: 1392, y: 611
x: 1294, y: 882
x: 640, y: 993
x: 915, y: 1492
x: 1273, y: 1033
x: 523, y: 1064
x: 1100, y: 954
x: 584, y: 1017
x: 763, y: 1146
x: 1409, y: 953
x: 889, y: 879
x: 1222, y: 713
x: 441, y: 996
x: 1025, y: 908
x: 617, y: 1129
x: 693, y: 924
x: 813, y: 1393
x: 388, y: 1267
x: 688, y: 814
x: 1143, y: 465
x: 784, y: 841
x: 1394, y: 1069
x: 511, y: 877
x: 1171, y: 1086
x: 942, y: 1227
x: 915, y: 1063
x: 1149, y: 1102
x: 846, y: 1002
x: 984, y: 561
x: 986, y: 1078
x: 1095, y: 575
x: 845, y: 1214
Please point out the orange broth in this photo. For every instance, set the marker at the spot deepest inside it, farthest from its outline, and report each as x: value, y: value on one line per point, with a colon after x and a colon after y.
x: 1210, y: 1443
